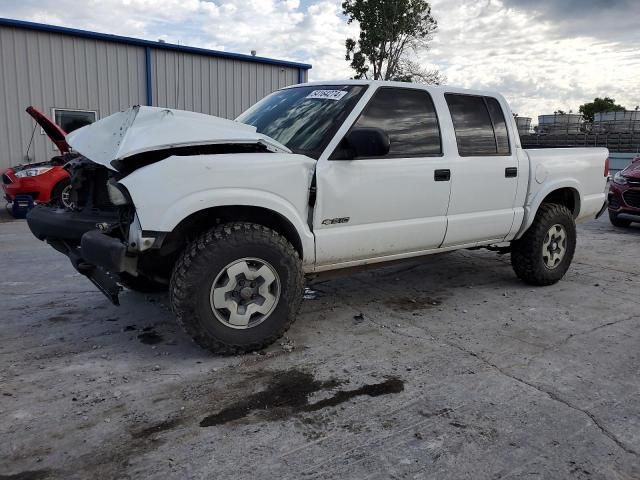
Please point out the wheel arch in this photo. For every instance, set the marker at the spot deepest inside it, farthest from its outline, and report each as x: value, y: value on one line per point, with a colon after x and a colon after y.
x: 566, y: 196
x: 566, y: 193
x: 201, y: 220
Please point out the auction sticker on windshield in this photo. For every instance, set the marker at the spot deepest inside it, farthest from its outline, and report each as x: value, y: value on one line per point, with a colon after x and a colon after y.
x: 327, y: 94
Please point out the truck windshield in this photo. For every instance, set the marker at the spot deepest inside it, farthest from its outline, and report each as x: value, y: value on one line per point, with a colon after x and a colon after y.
x: 303, y: 118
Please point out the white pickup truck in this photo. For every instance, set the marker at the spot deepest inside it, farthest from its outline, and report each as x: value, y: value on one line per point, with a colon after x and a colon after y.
x: 231, y: 216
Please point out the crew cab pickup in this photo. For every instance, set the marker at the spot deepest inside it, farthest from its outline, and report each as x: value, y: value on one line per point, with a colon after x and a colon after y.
x: 232, y: 216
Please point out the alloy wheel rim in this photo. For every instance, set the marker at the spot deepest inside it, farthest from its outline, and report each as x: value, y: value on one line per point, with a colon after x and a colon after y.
x: 554, y: 246
x: 65, y: 196
x: 245, y: 293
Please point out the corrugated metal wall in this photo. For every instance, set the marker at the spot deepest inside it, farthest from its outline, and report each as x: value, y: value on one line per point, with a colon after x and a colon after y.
x: 48, y: 70
x: 217, y: 86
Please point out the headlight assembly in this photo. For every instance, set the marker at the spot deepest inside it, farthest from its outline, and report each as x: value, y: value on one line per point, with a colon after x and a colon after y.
x: 118, y: 193
x: 619, y: 178
x: 33, y: 172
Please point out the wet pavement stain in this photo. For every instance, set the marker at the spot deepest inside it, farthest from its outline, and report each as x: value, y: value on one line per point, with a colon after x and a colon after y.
x: 150, y: 337
x: 311, y: 294
x: 157, y: 428
x: 288, y: 394
x: 411, y: 304
x: 27, y: 475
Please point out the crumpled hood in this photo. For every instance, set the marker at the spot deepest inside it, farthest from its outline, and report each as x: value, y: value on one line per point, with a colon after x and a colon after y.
x: 142, y: 129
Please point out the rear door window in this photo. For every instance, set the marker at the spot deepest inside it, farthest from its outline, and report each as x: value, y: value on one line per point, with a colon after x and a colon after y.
x: 499, y: 126
x: 479, y: 125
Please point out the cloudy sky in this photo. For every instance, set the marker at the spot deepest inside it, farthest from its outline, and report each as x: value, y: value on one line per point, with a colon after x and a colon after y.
x: 543, y: 55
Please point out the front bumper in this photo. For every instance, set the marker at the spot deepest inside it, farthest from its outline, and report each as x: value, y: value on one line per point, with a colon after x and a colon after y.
x: 13, y: 186
x: 92, y: 252
x: 46, y: 222
x: 629, y: 216
x: 624, y: 201
x: 104, y: 280
x: 39, y: 188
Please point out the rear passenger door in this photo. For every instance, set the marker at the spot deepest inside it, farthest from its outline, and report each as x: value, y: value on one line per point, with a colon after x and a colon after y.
x: 484, y: 171
x: 390, y: 205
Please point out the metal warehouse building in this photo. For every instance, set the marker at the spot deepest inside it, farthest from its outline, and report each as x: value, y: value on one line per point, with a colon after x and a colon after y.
x: 76, y: 77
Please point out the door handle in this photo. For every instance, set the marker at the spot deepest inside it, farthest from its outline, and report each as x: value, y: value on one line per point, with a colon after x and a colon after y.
x: 443, y: 175
x: 511, y: 172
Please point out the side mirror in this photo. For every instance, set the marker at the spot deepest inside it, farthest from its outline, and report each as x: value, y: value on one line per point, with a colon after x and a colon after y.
x: 367, y: 142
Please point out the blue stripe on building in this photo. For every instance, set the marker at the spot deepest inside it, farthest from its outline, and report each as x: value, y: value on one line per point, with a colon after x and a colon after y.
x: 8, y: 22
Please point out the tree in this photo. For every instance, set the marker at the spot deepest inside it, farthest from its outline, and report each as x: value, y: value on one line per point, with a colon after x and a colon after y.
x: 605, y: 104
x: 389, y: 30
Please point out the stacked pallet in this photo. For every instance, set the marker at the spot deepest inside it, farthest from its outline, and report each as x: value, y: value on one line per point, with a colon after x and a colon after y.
x: 627, y: 142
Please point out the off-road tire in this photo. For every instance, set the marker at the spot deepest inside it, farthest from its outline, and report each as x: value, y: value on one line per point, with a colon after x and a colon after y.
x: 56, y: 193
x: 526, y: 252
x: 142, y: 284
x: 618, y: 222
x: 202, y: 261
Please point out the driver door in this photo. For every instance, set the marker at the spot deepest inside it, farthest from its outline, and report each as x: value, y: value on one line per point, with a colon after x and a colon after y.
x: 392, y: 205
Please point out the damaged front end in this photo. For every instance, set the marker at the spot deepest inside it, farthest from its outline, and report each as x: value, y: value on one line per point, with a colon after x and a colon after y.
x: 100, y: 232
x: 94, y: 232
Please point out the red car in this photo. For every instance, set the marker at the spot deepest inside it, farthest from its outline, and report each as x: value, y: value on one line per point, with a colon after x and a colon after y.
x: 624, y: 195
x: 45, y: 182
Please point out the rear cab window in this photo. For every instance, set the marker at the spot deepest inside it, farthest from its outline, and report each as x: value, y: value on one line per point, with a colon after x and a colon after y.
x: 479, y: 124
x: 408, y: 116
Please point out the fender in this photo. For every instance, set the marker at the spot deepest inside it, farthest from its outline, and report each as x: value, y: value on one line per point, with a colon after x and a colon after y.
x: 165, y: 193
x: 534, y: 200
x: 198, y: 201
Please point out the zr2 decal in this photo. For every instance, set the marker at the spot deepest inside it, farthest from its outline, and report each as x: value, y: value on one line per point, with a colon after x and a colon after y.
x: 333, y: 221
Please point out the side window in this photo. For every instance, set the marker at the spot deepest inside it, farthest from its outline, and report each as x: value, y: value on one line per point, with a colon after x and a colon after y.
x: 409, y: 118
x: 70, y: 120
x: 479, y: 125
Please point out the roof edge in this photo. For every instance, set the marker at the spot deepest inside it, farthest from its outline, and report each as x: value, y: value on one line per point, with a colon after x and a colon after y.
x: 42, y: 27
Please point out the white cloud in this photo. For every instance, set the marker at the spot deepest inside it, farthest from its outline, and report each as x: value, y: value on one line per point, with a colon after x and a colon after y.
x: 524, y: 55
x: 538, y: 59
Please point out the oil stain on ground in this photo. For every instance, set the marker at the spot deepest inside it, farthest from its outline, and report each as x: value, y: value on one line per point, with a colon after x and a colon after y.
x: 150, y: 336
x: 288, y: 394
x: 411, y: 304
x: 27, y: 475
x: 157, y: 428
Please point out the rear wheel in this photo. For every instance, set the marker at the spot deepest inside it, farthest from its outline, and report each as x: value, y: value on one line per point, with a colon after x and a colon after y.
x: 618, y: 222
x: 237, y: 288
x: 543, y: 255
x: 61, y: 194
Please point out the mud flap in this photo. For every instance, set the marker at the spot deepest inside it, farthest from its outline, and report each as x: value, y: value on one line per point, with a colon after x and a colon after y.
x: 604, y: 208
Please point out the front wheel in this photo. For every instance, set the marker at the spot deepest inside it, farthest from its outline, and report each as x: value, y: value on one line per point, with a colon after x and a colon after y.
x: 237, y: 288
x: 543, y: 255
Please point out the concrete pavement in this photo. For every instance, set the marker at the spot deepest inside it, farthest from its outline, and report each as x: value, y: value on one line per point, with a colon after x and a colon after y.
x: 447, y: 368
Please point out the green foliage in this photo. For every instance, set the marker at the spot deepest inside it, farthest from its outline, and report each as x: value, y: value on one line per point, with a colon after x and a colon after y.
x: 605, y: 104
x: 389, y: 29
